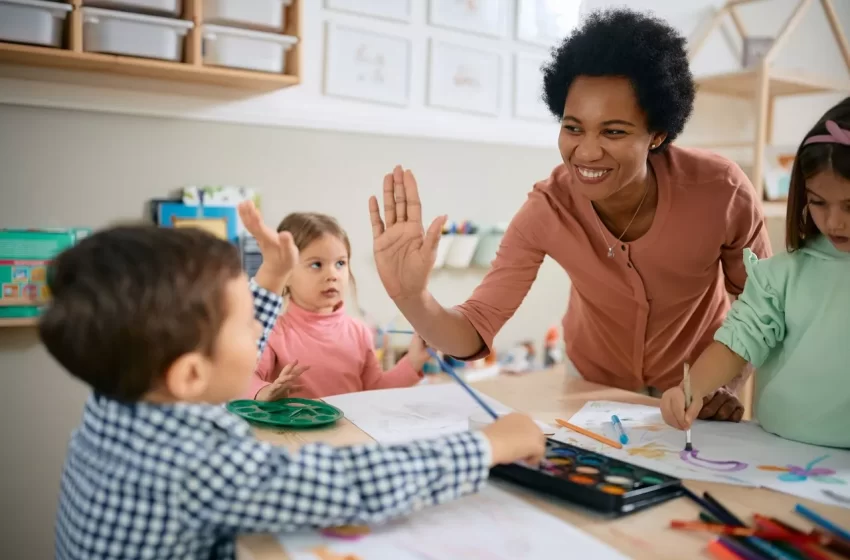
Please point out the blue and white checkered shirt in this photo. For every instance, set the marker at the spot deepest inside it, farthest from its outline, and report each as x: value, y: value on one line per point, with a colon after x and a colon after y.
x: 153, y: 481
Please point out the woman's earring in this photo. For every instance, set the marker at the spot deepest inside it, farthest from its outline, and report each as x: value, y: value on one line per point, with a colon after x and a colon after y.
x: 652, y: 146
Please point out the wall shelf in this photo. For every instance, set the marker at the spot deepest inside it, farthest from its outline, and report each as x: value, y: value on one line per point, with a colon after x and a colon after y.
x: 743, y: 83
x: 764, y: 83
x: 19, y: 322
x: 191, y: 69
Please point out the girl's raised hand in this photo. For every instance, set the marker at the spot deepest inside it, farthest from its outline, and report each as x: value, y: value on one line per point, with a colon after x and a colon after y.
x: 404, y: 252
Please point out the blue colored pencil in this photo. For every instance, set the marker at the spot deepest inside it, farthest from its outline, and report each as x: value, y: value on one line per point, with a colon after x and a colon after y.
x: 397, y: 331
x: 821, y: 522
x: 451, y: 372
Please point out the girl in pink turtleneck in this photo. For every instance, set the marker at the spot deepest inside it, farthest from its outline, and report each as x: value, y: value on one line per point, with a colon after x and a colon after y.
x: 315, y: 349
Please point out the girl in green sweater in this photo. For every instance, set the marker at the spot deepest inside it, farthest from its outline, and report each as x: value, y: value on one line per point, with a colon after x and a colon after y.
x: 792, y: 322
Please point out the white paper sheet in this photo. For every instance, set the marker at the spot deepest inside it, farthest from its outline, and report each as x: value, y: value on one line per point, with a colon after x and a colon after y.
x: 725, y: 452
x: 421, y: 412
x: 492, y: 525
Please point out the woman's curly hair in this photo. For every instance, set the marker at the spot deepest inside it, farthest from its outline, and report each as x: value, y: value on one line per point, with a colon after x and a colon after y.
x: 646, y: 50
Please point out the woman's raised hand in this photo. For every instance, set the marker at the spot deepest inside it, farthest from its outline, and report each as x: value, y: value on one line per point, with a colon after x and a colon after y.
x: 404, y: 252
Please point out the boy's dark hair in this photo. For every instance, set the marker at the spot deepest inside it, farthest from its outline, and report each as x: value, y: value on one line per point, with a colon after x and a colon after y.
x: 809, y: 161
x: 129, y: 300
x: 646, y: 50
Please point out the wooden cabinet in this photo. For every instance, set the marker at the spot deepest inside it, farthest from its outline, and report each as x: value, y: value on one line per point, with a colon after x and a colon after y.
x: 191, y: 69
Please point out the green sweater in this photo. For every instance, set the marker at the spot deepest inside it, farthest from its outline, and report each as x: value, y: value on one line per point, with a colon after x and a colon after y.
x: 792, y: 322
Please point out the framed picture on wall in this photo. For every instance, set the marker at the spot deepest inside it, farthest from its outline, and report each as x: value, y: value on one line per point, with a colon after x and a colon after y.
x: 368, y: 66
x: 398, y: 10
x: 546, y: 22
x: 464, y: 79
x: 528, y: 88
x: 485, y: 17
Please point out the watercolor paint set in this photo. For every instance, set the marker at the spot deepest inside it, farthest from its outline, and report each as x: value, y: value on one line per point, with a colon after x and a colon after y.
x: 607, y: 486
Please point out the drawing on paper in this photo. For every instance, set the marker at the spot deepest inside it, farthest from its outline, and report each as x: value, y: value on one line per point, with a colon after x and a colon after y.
x: 693, y: 458
x: 651, y: 450
x: 793, y: 473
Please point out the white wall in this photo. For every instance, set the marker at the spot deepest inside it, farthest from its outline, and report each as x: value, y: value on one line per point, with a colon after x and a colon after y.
x: 810, y: 49
x: 116, y: 155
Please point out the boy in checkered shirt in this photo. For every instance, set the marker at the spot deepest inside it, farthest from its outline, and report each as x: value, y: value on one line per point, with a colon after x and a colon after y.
x: 164, y: 326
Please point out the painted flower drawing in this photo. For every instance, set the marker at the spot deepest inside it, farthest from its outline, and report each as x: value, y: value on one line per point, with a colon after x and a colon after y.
x: 792, y: 473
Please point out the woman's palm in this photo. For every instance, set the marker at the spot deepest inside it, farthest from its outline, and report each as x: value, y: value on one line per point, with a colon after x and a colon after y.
x: 404, y: 253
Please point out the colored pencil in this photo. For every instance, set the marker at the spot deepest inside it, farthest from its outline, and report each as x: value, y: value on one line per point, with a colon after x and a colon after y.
x: 762, y: 545
x: 740, y: 549
x: 451, y: 372
x: 718, y: 515
x: 731, y: 518
x: 582, y: 431
x: 718, y: 550
x: 834, y: 544
x: 822, y: 522
x: 805, y: 543
x: 721, y: 529
x: 396, y: 331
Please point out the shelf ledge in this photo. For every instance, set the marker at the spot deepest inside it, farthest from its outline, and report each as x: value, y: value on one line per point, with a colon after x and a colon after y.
x: 30, y: 55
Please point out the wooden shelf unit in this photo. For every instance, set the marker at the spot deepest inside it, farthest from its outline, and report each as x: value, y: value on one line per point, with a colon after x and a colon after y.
x: 18, y: 321
x: 191, y: 69
x: 764, y: 83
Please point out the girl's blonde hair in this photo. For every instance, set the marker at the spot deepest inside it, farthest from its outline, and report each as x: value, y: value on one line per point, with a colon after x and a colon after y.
x: 306, y: 227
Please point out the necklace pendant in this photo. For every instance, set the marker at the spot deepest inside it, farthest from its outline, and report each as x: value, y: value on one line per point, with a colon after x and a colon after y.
x: 610, y: 252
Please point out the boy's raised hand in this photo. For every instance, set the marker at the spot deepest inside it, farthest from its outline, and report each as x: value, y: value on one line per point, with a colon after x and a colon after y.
x: 278, y: 249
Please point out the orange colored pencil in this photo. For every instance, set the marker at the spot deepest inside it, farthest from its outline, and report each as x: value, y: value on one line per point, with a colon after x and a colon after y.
x: 588, y: 433
x: 720, y: 552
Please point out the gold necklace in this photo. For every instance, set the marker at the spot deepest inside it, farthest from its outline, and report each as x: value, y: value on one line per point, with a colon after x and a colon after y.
x: 601, y: 231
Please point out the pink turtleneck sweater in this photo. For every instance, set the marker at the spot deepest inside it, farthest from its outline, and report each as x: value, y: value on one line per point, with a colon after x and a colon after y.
x: 339, y: 350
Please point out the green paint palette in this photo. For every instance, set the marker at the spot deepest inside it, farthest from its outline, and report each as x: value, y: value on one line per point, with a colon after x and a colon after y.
x: 286, y: 413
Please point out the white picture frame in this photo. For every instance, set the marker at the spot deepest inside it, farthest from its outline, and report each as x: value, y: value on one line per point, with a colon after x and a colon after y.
x: 465, y: 79
x: 396, y: 10
x: 546, y: 22
x: 528, y: 88
x: 366, y: 65
x: 484, y: 17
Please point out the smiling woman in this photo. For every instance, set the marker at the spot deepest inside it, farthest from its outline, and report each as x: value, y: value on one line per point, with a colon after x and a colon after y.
x: 650, y: 234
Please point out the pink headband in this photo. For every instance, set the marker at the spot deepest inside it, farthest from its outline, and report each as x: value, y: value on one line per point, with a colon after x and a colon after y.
x: 837, y: 135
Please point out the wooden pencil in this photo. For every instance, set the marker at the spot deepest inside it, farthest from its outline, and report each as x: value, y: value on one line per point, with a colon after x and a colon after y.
x: 588, y: 433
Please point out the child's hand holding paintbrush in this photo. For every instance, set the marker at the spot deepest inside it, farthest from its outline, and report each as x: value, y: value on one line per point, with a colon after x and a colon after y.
x: 680, y: 405
x: 717, y: 366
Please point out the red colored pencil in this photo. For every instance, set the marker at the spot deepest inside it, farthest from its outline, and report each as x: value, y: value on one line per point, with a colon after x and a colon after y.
x: 720, y: 552
x: 807, y: 547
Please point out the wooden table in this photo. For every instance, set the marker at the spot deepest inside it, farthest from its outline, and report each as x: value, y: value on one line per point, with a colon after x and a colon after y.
x: 547, y: 395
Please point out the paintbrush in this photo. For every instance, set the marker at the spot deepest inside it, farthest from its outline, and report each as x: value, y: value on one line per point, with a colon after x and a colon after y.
x: 686, y: 385
x: 453, y: 374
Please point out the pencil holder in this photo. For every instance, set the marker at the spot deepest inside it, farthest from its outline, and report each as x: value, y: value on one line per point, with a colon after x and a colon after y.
x: 443, y: 247
x: 488, y: 246
x: 461, y: 251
